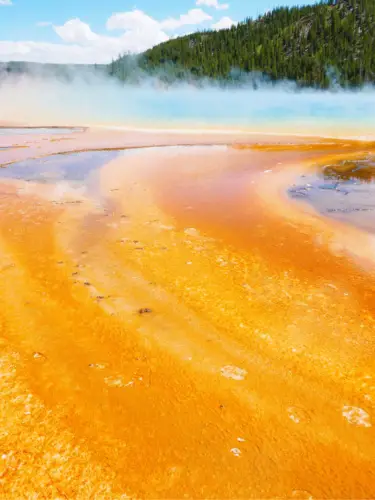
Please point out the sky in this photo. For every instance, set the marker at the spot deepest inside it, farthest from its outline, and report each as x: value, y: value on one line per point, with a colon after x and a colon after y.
x: 96, y: 31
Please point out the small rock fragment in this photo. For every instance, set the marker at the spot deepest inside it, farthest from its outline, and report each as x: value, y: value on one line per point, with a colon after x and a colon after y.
x: 191, y: 231
x: 233, y: 372
x: 302, y: 495
x: 145, y: 310
x: 356, y: 416
x: 298, y: 415
x: 236, y: 452
x: 117, y: 382
x: 97, y: 366
x: 39, y: 356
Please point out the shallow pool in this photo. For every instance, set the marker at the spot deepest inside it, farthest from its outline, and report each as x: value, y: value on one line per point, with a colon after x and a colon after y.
x: 344, y: 191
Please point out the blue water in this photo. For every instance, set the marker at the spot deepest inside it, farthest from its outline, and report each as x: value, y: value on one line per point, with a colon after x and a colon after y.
x: 239, y: 108
x: 106, y: 102
x: 76, y: 167
x: 69, y: 167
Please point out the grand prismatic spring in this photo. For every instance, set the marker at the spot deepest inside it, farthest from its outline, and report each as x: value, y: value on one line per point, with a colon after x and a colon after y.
x: 187, y: 315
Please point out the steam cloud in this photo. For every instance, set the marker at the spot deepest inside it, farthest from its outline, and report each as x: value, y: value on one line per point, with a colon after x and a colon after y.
x: 91, y: 98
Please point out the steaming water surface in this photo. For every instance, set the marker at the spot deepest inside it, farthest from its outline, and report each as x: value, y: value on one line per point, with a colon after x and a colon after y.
x: 281, y: 107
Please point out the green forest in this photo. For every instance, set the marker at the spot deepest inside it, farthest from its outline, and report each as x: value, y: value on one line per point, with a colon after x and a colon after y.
x: 311, y: 45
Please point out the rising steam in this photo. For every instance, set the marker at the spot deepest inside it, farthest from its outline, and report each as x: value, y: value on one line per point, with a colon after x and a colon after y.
x: 95, y: 99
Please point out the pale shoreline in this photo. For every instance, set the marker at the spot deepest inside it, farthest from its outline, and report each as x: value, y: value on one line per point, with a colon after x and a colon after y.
x: 205, y: 130
x: 18, y: 147
x: 232, y: 131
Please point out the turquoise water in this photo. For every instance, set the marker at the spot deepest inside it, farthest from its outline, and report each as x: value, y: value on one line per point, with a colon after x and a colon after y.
x: 239, y: 108
x: 280, y: 108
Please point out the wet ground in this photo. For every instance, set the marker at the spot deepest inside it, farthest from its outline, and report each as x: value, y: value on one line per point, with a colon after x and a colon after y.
x: 70, y: 167
x: 172, y: 326
x: 39, y: 130
x: 344, y: 191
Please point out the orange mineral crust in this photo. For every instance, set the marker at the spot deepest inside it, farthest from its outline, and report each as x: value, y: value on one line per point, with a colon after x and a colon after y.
x: 178, y: 328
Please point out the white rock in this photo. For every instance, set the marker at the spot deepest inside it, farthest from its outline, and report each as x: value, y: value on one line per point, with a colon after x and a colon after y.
x: 356, y: 416
x: 233, y: 372
x: 191, y: 231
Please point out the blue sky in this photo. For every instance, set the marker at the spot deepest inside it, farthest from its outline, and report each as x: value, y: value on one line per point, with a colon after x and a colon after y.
x: 95, y: 31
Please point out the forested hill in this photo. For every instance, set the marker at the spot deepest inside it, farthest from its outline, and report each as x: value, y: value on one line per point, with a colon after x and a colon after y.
x: 313, y: 45
x: 305, y: 44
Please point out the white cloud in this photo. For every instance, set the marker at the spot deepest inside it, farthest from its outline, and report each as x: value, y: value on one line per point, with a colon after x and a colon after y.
x: 192, y: 18
x: 213, y: 3
x: 6, y: 2
x: 52, y: 53
x: 76, y: 31
x: 134, y: 20
x: 79, y: 44
x: 137, y: 21
x: 224, y: 23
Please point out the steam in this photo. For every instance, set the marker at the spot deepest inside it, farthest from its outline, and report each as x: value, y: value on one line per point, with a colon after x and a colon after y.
x: 92, y: 98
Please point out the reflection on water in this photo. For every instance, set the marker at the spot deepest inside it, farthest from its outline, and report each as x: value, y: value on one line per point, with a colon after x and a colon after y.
x: 77, y: 166
x: 41, y: 130
x: 69, y: 167
x: 344, y: 191
x: 78, y: 170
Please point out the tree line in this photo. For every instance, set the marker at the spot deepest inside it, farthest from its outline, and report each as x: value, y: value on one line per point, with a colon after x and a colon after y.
x: 311, y: 45
x: 316, y: 46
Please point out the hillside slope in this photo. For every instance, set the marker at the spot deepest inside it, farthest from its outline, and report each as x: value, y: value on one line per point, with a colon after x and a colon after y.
x: 305, y: 44
x: 313, y: 45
